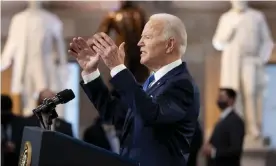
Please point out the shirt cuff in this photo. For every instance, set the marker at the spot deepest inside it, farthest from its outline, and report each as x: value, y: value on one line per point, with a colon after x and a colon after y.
x: 213, y: 153
x: 90, y: 77
x: 117, y: 69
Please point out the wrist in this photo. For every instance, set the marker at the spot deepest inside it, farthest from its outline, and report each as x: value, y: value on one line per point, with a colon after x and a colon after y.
x: 115, y: 66
x: 115, y: 70
x: 87, y: 72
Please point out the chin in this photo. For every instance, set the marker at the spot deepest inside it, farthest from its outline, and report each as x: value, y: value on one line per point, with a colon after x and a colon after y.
x: 143, y: 61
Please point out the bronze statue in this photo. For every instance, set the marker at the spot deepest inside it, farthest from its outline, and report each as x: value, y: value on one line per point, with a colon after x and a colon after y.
x: 128, y: 23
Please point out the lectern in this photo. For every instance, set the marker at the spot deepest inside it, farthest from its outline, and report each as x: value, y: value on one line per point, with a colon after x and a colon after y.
x: 41, y: 147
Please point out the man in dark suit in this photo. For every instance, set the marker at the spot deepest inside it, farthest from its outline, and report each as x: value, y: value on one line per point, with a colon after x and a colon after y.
x: 11, y: 133
x: 102, y: 135
x: 95, y: 135
x: 226, y: 142
x: 58, y: 125
x: 159, y: 117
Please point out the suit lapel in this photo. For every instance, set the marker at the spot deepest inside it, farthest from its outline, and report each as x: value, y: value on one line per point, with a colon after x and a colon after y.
x: 179, y: 69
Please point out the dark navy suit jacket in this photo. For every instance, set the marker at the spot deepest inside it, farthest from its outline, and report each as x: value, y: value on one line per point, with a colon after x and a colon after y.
x: 157, y: 125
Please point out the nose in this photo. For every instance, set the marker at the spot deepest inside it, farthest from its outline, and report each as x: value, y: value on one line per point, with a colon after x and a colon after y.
x: 140, y: 43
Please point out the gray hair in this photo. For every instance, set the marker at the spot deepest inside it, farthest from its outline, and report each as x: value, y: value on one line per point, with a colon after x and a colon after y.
x: 173, y: 27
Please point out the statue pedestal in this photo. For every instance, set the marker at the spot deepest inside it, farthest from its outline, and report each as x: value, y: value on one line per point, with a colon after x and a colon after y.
x: 258, y: 157
x: 256, y: 153
x: 251, y: 143
x: 254, y: 157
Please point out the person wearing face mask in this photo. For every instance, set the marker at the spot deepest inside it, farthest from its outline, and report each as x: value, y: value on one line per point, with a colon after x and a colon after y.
x: 11, y: 133
x: 225, y: 145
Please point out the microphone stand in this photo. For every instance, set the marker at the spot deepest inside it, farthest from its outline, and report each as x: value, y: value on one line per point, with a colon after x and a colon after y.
x: 40, y: 118
x: 48, y: 115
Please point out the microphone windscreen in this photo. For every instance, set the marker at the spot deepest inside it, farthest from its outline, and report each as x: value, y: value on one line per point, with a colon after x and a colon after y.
x: 65, y: 96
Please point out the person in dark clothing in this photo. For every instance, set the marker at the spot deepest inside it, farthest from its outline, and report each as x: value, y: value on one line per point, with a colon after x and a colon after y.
x: 11, y: 133
x: 225, y: 145
x: 58, y: 125
x: 195, y: 146
x: 95, y: 135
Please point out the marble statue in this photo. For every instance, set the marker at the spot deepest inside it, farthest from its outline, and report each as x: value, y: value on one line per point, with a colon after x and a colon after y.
x: 128, y: 22
x: 36, y: 50
x: 244, y: 38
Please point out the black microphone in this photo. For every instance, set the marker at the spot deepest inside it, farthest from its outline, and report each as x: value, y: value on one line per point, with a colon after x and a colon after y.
x: 63, y: 96
x: 50, y: 104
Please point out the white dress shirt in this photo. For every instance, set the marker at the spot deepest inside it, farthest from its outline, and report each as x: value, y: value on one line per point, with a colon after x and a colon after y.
x: 157, y: 75
x: 226, y: 112
x: 112, y: 138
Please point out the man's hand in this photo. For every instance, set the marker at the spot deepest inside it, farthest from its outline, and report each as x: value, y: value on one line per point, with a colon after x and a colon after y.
x: 107, y: 49
x: 207, y: 150
x: 87, y: 58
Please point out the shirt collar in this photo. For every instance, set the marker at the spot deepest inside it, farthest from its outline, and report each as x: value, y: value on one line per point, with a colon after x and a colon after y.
x: 226, y: 112
x: 165, y: 69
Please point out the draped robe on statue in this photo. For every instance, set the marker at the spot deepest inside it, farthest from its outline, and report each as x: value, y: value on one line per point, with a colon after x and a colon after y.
x: 33, y: 35
x: 246, y: 43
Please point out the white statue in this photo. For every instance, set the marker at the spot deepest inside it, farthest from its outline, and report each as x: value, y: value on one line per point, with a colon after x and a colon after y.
x: 245, y: 40
x: 35, y: 43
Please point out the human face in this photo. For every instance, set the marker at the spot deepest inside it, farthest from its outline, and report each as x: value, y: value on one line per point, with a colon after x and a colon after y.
x: 239, y: 5
x: 45, y: 94
x: 35, y: 4
x: 223, y: 100
x: 152, y: 44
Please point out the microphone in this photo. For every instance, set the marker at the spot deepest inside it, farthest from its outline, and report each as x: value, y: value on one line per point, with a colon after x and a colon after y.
x: 50, y: 104
x: 63, y: 96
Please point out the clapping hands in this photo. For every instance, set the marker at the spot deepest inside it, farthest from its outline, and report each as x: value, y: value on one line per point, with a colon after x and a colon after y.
x: 88, y: 53
x: 87, y: 58
x: 107, y: 49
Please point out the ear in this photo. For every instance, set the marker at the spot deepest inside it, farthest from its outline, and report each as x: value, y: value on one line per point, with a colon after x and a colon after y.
x: 170, y: 45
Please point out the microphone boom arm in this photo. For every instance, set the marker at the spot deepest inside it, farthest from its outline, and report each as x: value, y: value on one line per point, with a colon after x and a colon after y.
x: 47, y: 110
